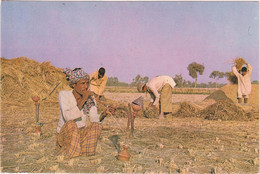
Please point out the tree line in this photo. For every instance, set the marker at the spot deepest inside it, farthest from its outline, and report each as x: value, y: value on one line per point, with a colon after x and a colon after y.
x: 194, y: 69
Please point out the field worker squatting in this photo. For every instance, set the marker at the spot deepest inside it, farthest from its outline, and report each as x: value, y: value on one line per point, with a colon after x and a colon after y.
x: 165, y: 84
x: 79, y: 125
x: 244, y: 82
x: 98, y: 81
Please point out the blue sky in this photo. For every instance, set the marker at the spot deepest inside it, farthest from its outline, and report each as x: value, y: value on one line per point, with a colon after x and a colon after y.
x: 130, y: 38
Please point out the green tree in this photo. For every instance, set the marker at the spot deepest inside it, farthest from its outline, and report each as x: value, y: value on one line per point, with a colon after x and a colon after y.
x: 195, y: 68
x: 179, y: 80
x: 139, y: 79
x: 255, y: 82
x: 216, y: 75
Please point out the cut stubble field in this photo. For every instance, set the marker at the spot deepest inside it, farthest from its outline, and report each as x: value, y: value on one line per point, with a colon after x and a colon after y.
x: 183, y: 145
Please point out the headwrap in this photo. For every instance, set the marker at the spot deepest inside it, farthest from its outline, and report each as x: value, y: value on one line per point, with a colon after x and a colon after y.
x: 73, y: 76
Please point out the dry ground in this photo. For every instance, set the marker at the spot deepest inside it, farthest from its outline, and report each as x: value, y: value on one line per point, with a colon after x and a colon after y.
x: 191, y: 145
x: 129, y: 97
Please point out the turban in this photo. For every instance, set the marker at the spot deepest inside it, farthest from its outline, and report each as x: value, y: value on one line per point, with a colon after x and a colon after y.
x: 73, y: 76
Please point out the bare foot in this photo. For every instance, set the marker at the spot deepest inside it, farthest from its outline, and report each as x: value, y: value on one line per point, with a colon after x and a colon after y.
x: 161, y: 116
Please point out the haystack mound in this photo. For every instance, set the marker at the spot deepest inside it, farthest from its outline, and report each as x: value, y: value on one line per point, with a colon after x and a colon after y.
x: 224, y: 110
x: 23, y: 78
x: 229, y: 92
x: 187, y: 109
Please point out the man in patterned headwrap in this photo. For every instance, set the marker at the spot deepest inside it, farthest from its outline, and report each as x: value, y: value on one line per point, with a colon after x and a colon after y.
x: 79, y: 124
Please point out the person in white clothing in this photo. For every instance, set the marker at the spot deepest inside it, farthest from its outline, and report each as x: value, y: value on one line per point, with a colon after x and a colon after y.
x: 165, y: 84
x: 244, y: 82
x: 75, y: 134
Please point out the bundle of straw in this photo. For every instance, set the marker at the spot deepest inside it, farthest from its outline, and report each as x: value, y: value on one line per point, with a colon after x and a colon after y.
x: 239, y: 62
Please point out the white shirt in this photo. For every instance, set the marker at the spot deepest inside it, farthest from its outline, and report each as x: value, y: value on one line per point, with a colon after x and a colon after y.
x: 244, y: 82
x: 70, y: 111
x: 156, y: 84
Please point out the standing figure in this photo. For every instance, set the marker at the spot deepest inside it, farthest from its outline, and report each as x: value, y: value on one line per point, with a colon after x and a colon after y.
x: 244, y: 82
x: 165, y: 84
x: 98, y: 81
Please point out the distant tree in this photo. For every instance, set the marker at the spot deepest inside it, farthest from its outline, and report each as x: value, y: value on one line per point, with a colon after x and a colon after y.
x: 113, y: 81
x: 139, y: 79
x: 255, y: 82
x: 231, y: 77
x: 187, y: 84
x: 216, y: 75
x: 179, y: 80
x: 195, y: 68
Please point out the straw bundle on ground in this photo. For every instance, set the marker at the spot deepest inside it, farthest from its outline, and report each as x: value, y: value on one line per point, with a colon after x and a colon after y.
x: 224, y: 110
x: 121, y: 108
x: 187, y: 110
x: 151, y: 112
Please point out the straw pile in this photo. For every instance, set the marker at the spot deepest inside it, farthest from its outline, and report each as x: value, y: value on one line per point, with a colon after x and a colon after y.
x: 121, y: 108
x: 151, y: 112
x: 224, y: 110
x: 187, y: 109
x: 23, y: 78
x: 218, y: 95
x: 229, y: 92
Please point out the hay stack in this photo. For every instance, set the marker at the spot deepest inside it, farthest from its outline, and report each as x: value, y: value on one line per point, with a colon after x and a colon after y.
x: 187, y: 110
x: 224, y: 110
x: 229, y: 92
x: 23, y: 78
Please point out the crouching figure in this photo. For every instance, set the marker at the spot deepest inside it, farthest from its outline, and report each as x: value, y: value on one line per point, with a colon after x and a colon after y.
x: 79, y: 125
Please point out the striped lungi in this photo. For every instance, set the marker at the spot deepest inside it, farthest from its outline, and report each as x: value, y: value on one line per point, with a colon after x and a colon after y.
x: 72, y: 141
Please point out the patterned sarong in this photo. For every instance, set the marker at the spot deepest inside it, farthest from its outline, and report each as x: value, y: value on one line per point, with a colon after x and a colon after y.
x: 72, y: 141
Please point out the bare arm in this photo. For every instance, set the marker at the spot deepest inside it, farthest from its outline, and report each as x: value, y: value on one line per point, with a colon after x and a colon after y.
x: 156, y: 96
x: 234, y: 69
x: 102, y: 86
x: 250, y: 69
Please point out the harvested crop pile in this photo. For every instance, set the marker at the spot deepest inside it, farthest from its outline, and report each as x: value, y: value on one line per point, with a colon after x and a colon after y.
x: 239, y: 63
x: 229, y: 92
x: 121, y: 108
x: 151, y: 112
x: 218, y: 95
x: 224, y: 110
x: 187, y: 110
x: 23, y: 78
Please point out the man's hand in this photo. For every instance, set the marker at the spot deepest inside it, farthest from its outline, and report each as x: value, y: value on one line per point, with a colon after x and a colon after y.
x: 111, y: 110
x: 97, y: 98
x: 150, y: 104
x: 85, y: 94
